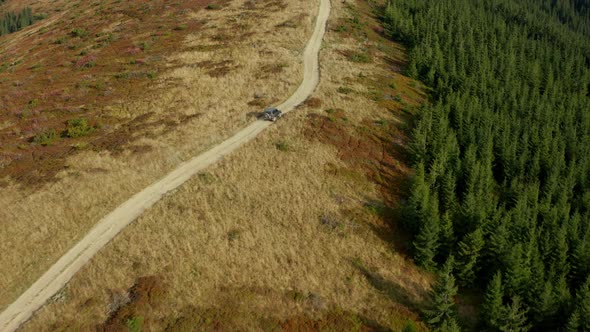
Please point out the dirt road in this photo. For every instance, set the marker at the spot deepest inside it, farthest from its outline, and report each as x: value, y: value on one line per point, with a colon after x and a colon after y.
x: 106, y: 229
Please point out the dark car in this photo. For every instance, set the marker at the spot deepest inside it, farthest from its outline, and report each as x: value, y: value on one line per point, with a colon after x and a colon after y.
x: 272, y: 114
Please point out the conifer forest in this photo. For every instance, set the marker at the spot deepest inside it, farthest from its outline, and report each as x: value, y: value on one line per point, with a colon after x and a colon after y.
x: 500, y: 197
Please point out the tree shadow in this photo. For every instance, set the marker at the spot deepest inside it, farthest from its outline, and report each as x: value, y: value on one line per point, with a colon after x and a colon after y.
x: 395, y: 65
x: 394, y: 182
x: 394, y: 291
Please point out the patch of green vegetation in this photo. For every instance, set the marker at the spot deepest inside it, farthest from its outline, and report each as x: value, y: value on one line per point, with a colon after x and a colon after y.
x: 181, y: 27
x: 282, y: 146
x: 377, y: 208
x: 80, y: 145
x: 376, y: 95
x: 135, y: 324
x: 341, y: 28
x: 206, y: 177
x: 297, y: 296
x: 33, y: 103
x: 60, y: 40
x: 79, y: 33
x: 47, y: 137
x: 78, y: 128
x: 344, y: 90
x: 233, y: 235
x: 14, y: 21
x: 39, y: 16
x: 410, y: 327
x: 381, y: 122
x: 144, y: 46
x: 360, y: 58
x: 213, y: 6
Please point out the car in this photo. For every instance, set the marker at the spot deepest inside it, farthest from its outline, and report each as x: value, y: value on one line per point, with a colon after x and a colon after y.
x: 272, y: 114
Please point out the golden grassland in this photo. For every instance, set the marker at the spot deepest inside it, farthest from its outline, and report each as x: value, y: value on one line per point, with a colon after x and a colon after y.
x: 194, y: 108
x: 291, y: 225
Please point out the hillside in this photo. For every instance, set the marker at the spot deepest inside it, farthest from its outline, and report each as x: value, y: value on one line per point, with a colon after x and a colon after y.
x: 59, y: 190
x: 436, y: 179
x: 217, y: 253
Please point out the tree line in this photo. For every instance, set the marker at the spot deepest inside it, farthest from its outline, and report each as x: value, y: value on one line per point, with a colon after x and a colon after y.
x: 11, y: 22
x: 500, y: 198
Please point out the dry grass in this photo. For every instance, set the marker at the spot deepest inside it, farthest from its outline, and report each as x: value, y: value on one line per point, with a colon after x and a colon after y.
x: 272, y: 231
x: 39, y: 226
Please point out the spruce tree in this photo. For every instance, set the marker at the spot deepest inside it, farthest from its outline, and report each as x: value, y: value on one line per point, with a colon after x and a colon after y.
x: 573, y: 324
x: 468, y: 255
x: 426, y: 243
x: 492, y: 309
x: 449, y: 325
x: 428, y: 240
x: 514, y: 317
x: 582, y: 308
x: 443, y: 296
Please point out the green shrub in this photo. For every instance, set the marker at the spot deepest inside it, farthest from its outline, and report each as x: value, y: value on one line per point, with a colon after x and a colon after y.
x: 344, y: 90
x: 45, y: 138
x: 233, y: 235
x: 79, y: 32
x: 341, y: 28
x: 360, y: 58
x: 60, y: 40
x: 213, y: 6
x: 78, y: 128
x: 409, y: 327
x: 282, y: 146
x: 135, y: 324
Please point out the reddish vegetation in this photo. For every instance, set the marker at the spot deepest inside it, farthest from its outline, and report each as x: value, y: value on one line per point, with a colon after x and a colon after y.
x: 313, y: 102
x: 145, y: 302
x: 376, y: 149
x: 333, y: 321
x: 74, y: 63
x: 143, y: 297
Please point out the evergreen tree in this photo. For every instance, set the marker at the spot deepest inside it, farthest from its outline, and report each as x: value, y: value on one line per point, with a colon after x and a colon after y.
x: 468, y: 255
x: 582, y: 308
x: 426, y: 244
x: 514, y: 317
x: 447, y: 236
x: 449, y: 325
x: 12, y: 22
x: 573, y: 324
x: 493, y: 305
x: 443, y: 294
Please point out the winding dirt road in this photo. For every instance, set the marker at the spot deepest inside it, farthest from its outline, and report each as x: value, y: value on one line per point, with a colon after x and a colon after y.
x: 106, y: 229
